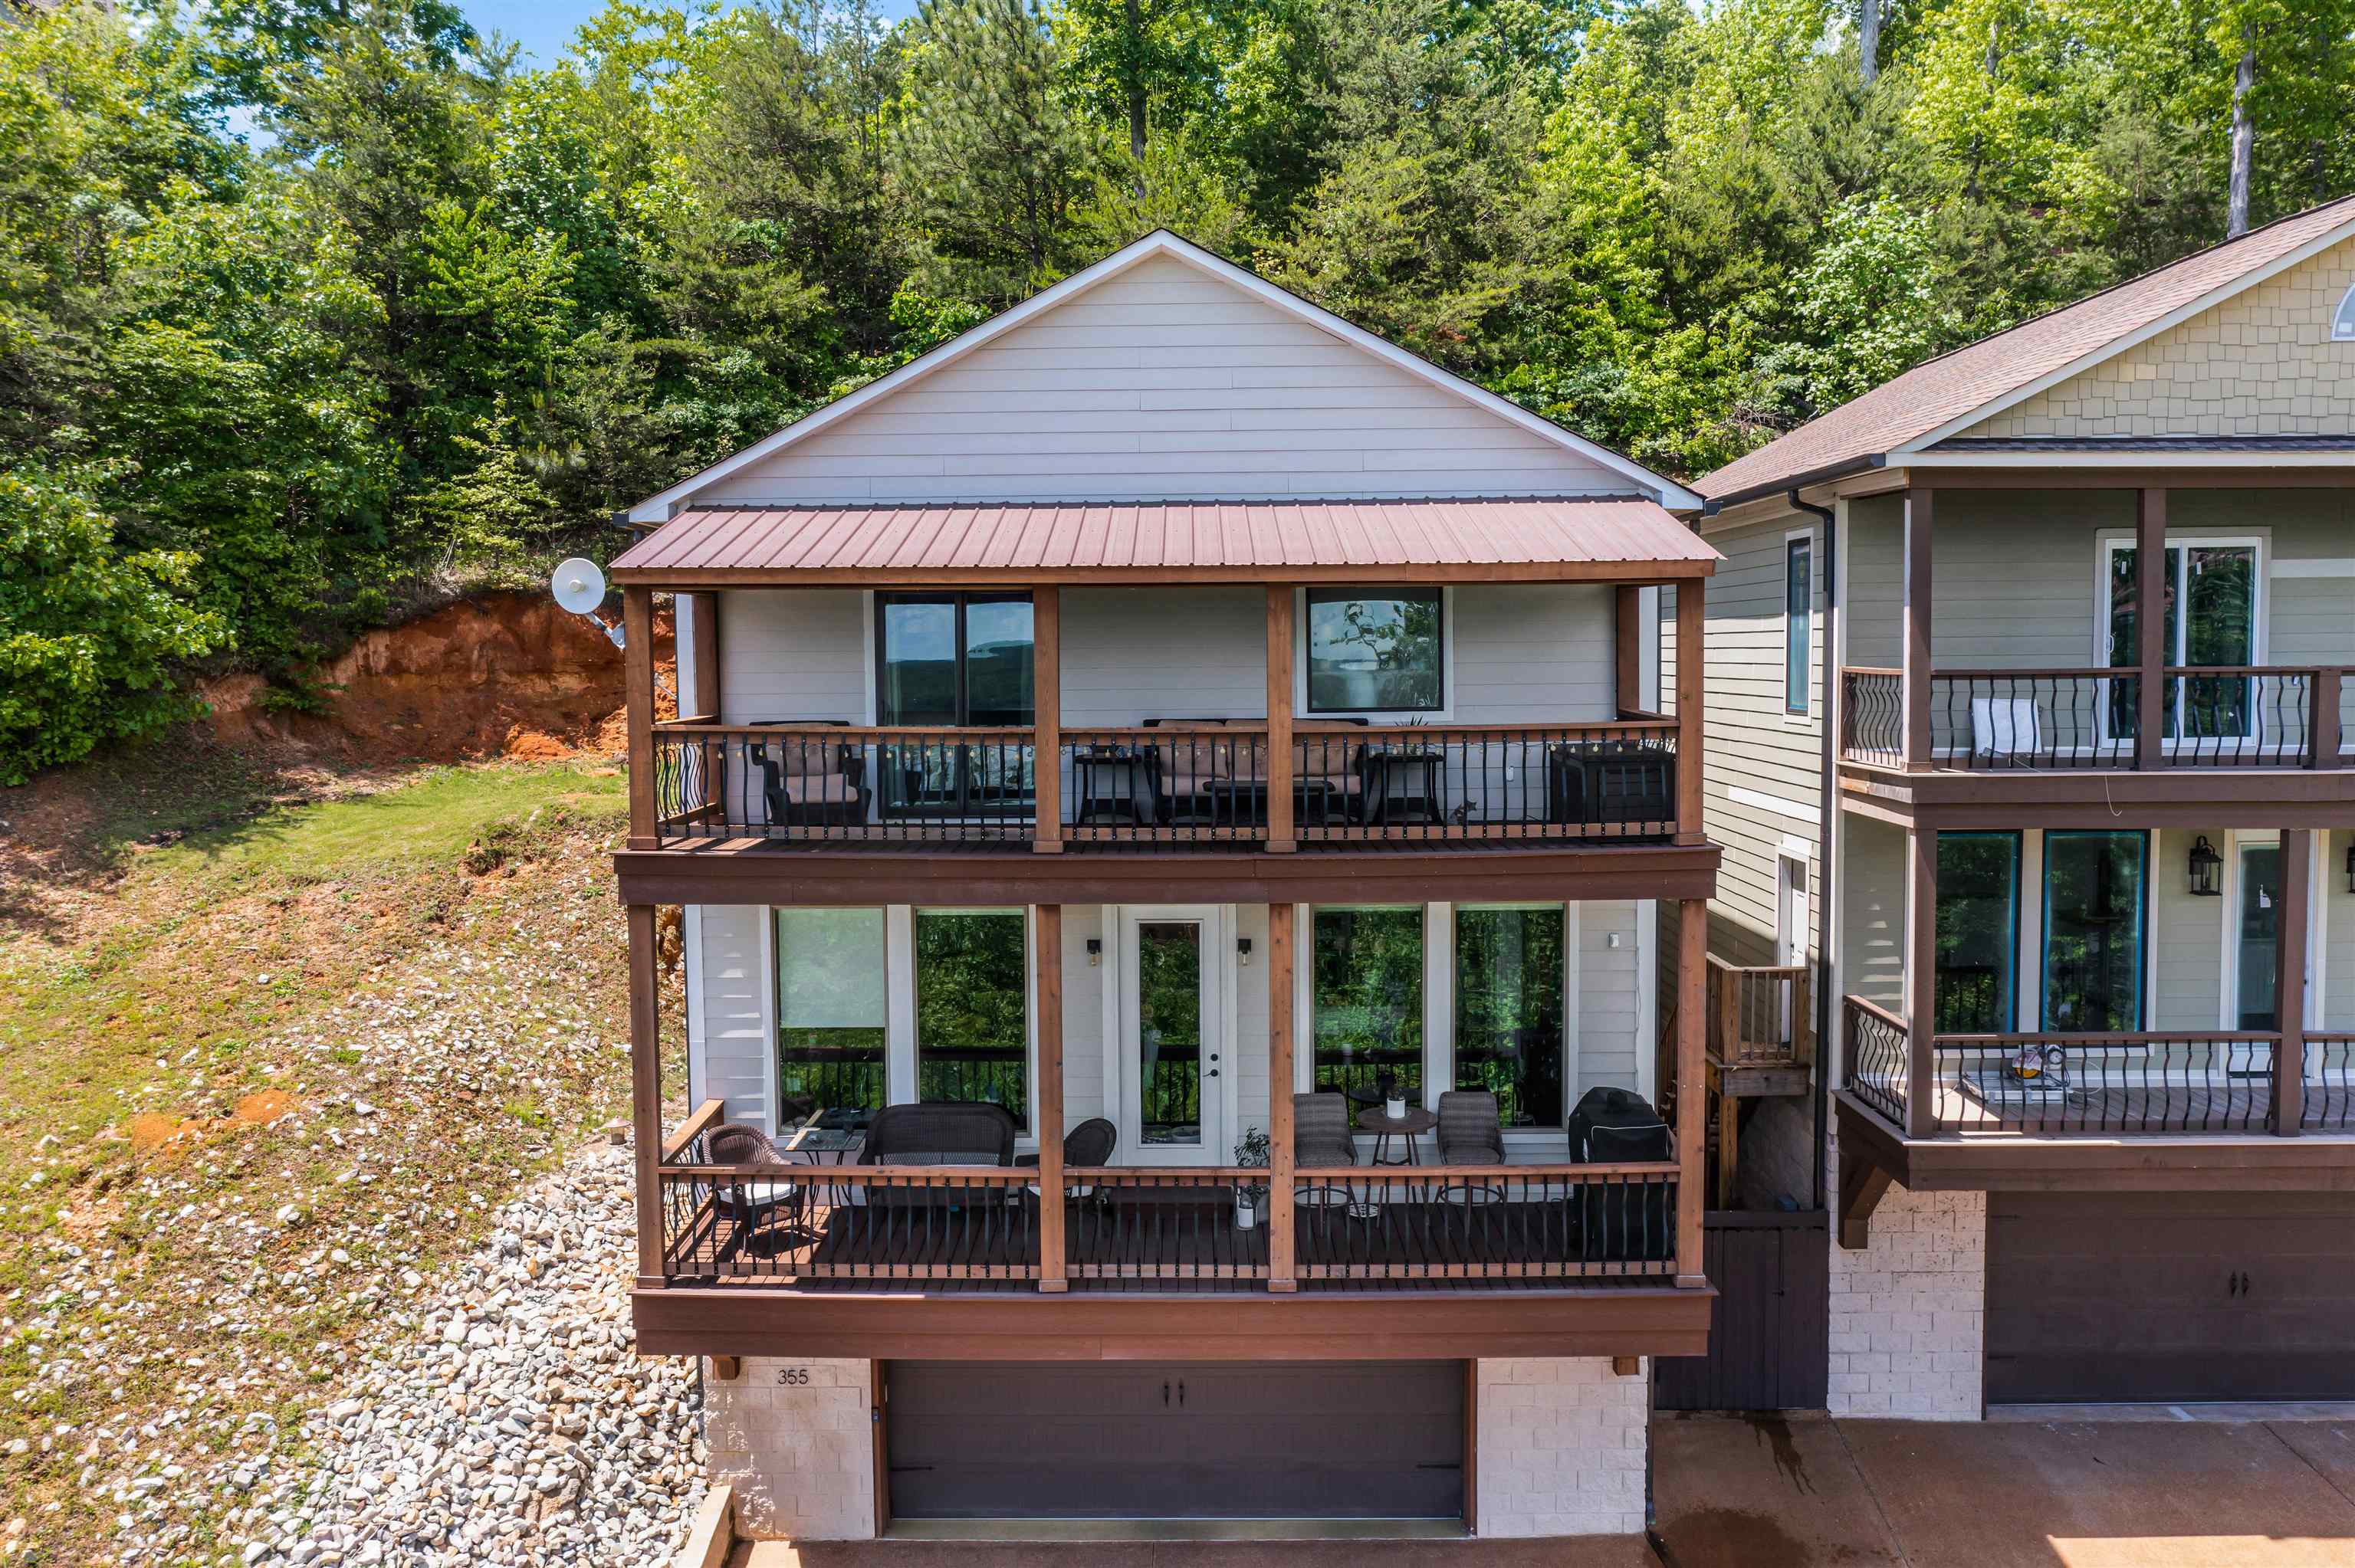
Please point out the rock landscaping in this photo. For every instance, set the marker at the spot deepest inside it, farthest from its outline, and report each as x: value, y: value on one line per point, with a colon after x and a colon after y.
x: 507, y: 1420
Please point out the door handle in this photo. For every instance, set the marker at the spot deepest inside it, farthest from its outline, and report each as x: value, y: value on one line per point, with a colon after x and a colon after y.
x: 1211, y: 1073
x: 1181, y: 1394
x: 1165, y: 1391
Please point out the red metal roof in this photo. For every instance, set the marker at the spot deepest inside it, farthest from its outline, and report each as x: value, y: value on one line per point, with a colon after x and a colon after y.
x: 1166, y: 541
x: 1954, y: 385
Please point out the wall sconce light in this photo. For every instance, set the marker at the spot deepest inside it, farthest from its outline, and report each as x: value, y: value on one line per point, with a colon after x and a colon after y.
x: 1242, y: 951
x: 2350, y: 868
x: 1095, y: 951
x: 2206, y: 868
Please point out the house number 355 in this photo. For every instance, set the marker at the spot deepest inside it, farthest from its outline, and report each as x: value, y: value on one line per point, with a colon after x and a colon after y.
x: 792, y: 1377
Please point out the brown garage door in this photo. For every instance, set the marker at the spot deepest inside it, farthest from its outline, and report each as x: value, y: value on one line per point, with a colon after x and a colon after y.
x: 2169, y: 1295
x: 1181, y: 1440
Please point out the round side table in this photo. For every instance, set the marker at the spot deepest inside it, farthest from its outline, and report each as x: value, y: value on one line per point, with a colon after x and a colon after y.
x: 1385, y: 1128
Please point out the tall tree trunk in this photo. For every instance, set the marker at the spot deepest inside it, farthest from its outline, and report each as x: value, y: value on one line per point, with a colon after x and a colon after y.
x: 2245, y: 144
x: 1136, y: 89
x: 1868, y: 40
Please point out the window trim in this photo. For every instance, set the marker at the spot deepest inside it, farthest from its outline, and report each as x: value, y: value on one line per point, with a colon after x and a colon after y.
x: 960, y: 600
x: 1302, y: 599
x: 1024, y: 1128
x: 772, y: 977
x: 1801, y: 626
x: 2145, y: 919
x: 1536, y: 1132
x: 2017, y: 935
x: 2108, y: 541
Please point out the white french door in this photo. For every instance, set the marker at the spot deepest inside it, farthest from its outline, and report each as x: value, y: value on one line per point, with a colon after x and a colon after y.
x: 1173, y: 1060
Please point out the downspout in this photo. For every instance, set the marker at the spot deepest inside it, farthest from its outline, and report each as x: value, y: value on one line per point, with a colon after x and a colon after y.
x: 1826, y: 823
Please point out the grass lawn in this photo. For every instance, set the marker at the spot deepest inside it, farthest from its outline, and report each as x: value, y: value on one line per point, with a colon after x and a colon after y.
x: 265, y: 1061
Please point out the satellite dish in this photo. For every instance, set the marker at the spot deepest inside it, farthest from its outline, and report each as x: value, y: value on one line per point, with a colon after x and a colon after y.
x: 579, y: 585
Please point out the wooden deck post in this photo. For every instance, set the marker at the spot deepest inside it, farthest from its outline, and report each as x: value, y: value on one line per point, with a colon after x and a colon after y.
x: 646, y: 1093
x: 2322, y: 728
x: 1692, y: 1029
x: 638, y: 704
x: 1920, y: 982
x: 1627, y: 613
x: 1047, y: 1117
x: 1693, y: 630
x: 2289, y: 995
x: 1047, y: 708
x: 1919, y: 511
x: 1281, y: 1276
x: 1280, y: 839
x: 2150, y: 626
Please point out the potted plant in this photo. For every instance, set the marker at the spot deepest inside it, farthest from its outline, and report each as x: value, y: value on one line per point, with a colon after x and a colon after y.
x: 1393, y: 1097
x: 1250, y: 1197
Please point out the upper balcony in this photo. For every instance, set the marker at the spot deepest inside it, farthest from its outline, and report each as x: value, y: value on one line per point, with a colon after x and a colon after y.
x: 1999, y: 657
x: 1347, y: 695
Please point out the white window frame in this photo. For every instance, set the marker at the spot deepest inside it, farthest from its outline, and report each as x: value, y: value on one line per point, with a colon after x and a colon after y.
x: 1805, y: 713
x: 2342, y: 320
x: 2109, y: 541
x: 899, y: 1003
x: 1444, y: 714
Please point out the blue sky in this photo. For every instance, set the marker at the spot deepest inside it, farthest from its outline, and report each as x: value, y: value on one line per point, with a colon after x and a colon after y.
x: 544, y: 27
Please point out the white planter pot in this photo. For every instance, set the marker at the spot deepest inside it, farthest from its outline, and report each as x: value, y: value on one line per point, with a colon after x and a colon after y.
x: 1246, y: 1214
x: 1394, y: 1109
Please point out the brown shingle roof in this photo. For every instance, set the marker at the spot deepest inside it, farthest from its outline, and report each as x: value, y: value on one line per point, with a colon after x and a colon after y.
x: 1170, y: 541
x: 1954, y: 385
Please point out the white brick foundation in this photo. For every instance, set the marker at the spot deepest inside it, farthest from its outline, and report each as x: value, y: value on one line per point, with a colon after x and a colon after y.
x: 1561, y: 1447
x: 801, y: 1455
x: 1909, y: 1312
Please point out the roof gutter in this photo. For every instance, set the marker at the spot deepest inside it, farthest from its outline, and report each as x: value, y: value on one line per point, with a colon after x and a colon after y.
x: 1842, y: 469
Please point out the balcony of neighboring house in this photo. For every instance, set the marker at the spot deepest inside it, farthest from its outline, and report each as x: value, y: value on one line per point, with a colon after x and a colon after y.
x: 1375, y: 710
x: 2097, y: 1005
x: 1997, y: 651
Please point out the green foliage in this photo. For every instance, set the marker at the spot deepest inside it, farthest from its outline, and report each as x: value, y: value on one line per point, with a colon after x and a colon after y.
x: 89, y: 633
x: 444, y: 314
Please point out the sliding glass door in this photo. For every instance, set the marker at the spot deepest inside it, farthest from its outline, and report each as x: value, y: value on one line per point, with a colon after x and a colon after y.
x: 2094, y: 896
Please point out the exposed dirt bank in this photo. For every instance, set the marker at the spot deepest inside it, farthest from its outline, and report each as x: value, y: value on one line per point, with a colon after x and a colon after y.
x: 502, y: 674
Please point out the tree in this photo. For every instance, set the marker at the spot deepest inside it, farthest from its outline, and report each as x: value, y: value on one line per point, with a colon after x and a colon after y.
x: 988, y: 152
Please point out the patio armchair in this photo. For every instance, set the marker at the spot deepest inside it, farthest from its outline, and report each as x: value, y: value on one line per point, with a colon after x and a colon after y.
x: 807, y: 782
x: 1320, y: 1130
x: 1471, y: 1129
x: 750, y: 1205
x: 1610, y: 782
x: 1086, y: 1146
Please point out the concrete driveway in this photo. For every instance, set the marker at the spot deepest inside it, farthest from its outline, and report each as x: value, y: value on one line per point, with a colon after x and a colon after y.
x: 1767, y: 1492
x: 1811, y: 1492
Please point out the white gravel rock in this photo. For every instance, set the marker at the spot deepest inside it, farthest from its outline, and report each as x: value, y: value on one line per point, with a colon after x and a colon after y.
x: 507, y: 1420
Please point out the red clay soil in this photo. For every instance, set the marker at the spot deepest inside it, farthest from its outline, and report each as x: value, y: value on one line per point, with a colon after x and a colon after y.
x: 505, y: 674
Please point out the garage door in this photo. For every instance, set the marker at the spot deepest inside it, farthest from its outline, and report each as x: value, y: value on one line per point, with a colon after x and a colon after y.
x: 1182, y: 1440
x: 2169, y: 1295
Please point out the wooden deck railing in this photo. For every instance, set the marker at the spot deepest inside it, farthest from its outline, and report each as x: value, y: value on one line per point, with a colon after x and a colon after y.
x: 2219, y: 715
x: 1760, y: 1016
x: 1162, y: 1229
x: 1168, y: 787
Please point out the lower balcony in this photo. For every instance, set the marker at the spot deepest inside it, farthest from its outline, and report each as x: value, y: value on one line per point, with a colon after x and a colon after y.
x: 2215, y: 1110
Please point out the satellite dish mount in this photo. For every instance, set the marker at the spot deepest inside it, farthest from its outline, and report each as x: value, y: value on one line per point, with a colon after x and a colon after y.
x: 580, y: 586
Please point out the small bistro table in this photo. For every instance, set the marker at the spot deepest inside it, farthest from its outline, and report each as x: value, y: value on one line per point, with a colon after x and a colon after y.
x: 1385, y: 1127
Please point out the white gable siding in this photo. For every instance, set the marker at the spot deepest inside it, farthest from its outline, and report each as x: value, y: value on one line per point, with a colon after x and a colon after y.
x: 1164, y: 383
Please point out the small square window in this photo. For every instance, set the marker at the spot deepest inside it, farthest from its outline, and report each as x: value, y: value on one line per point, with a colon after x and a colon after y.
x: 1375, y: 651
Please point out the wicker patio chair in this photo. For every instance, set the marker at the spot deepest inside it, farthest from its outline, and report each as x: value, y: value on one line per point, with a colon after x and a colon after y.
x: 1471, y: 1129
x: 1320, y: 1130
x: 751, y: 1205
x: 1087, y: 1146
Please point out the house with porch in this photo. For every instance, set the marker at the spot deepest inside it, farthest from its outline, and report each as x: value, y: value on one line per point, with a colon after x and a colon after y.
x: 2036, y: 661
x: 1173, y: 804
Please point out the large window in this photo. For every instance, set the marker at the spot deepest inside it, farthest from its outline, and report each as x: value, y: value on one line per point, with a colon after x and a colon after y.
x: 2209, y: 618
x: 973, y: 1016
x: 1978, y: 933
x: 1509, y: 1011
x: 2094, y: 896
x: 1377, y: 650
x: 830, y: 1011
x: 952, y: 659
x: 1367, y: 999
x: 1798, y: 606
